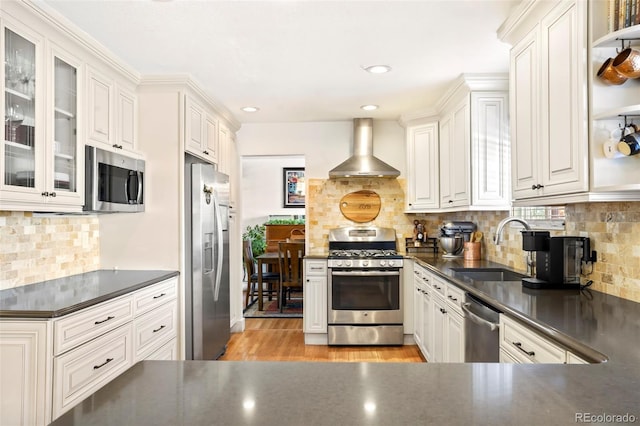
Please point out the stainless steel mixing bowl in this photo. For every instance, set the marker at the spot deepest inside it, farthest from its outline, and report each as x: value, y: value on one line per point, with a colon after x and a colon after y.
x: 452, y: 245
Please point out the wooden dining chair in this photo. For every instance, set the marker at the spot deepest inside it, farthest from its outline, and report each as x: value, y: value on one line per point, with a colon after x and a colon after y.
x: 297, y: 235
x: 291, y: 269
x: 252, y: 275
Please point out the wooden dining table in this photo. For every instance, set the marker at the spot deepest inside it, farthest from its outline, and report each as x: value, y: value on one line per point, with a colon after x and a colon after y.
x: 268, y: 258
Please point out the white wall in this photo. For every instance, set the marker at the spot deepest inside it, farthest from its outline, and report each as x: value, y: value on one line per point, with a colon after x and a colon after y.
x: 261, y: 187
x: 324, y: 145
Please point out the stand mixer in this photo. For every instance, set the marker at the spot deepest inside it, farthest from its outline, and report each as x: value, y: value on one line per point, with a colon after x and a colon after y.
x: 453, y: 235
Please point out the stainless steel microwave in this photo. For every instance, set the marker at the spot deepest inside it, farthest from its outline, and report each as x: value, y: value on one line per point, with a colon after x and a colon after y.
x: 113, y: 182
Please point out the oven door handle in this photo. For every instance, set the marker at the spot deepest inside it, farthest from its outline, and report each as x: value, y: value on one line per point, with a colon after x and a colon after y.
x: 364, y: 273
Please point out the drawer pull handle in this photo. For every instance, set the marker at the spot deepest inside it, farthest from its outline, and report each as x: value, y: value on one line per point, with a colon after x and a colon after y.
x: 109, y: 318
x: 453, y: 298
x: 519, y: 346
x: 158, y: 329
x: 159, y: 296
x: 95, y: 367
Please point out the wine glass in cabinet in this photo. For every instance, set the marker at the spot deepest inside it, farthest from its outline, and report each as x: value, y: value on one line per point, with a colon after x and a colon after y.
x: 19, y: 143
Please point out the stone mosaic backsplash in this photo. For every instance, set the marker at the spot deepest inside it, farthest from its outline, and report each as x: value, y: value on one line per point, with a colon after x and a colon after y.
x: 39, y: 248
x: 614, y: 229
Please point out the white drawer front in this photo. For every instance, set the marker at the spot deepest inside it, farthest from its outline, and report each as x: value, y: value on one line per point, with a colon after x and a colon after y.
x: 154, y: 328
x: 82, y: 371
x: 528, y: 346
x: 76, y: 329
x: 316, y: 267
x: 455, y: 298
x: 167, y: 352
x: 155, y: 295
x: 438, y: 285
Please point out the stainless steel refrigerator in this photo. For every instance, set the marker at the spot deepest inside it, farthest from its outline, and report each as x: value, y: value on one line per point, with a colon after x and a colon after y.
x: 207, y: 263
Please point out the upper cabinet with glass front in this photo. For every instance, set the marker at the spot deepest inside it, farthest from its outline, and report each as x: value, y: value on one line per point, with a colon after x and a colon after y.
x: 40, y: 149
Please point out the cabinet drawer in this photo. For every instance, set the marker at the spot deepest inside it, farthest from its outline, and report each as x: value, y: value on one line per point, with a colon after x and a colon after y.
x: 154, y: 328
x: 76, y: 329
x: 455, y: 298
x: 82, y: 371
x: 166, y: 352
x: 316, y: 267
x: 438, y: 285
x: 155, y: 295
x: 527, y: 346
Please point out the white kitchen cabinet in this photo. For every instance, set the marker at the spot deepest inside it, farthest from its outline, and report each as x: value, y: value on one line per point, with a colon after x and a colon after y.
x: 56, y: 363
x: 464, y: 163
x: 439, y: 327
x: 81, y: 371
x: 455, y: 337
x: 548, y: 89
x: 455, y: 129
x: 526, y: 346
x: 315, y: 296
x: 440, y: 310
x: 423, y: 167
x: 25, y: 373
x: 202, y: 132
x: 41, y: 150
x: 418, y: 313
x: 112, y: 113
x: 422, y: 311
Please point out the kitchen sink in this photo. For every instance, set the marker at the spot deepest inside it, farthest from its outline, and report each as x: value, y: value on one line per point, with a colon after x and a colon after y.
x: 488, y: 274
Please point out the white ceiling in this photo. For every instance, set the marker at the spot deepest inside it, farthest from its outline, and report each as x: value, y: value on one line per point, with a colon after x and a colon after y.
x: 303, y: 60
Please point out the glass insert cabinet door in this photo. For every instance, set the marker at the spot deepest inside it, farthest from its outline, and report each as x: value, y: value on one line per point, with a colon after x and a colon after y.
x: 64, y: 126
x: 19, y: 110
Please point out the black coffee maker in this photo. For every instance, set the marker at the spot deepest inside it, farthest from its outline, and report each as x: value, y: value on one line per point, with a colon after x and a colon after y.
x: 558, y: 259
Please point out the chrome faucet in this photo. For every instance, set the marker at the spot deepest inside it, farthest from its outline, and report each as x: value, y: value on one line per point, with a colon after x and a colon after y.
x: 498, y: 237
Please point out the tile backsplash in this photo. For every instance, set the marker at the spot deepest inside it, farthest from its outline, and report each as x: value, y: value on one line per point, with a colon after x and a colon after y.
x: 614, y: 229
x: 38, y: 248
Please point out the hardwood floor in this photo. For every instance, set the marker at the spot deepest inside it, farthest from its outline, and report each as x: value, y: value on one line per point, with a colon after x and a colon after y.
x: 282, y: 339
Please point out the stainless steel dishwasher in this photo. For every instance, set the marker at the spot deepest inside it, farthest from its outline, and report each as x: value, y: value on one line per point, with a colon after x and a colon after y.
x: 482, y: 341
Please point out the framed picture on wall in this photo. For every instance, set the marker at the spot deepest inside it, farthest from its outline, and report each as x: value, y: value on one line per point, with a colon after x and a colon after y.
x: 294, y: 187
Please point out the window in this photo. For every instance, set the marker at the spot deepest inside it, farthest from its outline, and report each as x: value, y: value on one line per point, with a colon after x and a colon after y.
x: 550, y: 217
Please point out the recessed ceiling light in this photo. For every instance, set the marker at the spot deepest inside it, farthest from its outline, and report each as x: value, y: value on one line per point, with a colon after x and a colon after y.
x: 369, y: 107
x: 378, y: 69
x: 250, y: 109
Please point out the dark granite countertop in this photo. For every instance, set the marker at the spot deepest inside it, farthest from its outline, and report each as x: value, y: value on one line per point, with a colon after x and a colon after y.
x: 594, y: 325
x: 293, y: 393
x: 62, y: 296
x: 198, y: 393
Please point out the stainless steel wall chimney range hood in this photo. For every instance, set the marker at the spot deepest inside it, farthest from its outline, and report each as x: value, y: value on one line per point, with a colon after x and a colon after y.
x: 362, y: 163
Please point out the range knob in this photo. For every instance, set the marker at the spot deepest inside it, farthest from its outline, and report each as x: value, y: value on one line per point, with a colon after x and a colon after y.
x: 384, y: 263
x: 391, y: 263
x: 338, y: 262
x: 365, y: 263
x: 347, y: 263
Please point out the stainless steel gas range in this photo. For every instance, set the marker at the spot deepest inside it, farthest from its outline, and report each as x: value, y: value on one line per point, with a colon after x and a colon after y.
x: 365, y: 287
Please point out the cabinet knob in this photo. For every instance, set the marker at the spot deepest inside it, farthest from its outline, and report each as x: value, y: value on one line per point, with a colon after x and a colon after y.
x: 116, y: 146
x: 450, y: 201
x: 45, y: 194
x: 537, y: 186
x: 53, y: 194
x: 205, y: 152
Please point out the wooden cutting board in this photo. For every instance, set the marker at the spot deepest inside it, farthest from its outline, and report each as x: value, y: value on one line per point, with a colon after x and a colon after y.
x: 360, y: 206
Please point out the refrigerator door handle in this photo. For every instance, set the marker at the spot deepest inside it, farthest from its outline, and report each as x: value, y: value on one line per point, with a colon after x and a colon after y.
x: 219, y: 253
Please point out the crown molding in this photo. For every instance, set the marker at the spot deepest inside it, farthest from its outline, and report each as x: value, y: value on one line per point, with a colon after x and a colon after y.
x: 62, y: 24
x: 188, y: 82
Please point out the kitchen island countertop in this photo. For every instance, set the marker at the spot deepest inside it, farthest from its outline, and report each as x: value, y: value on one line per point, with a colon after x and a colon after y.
x: 198, y: 393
